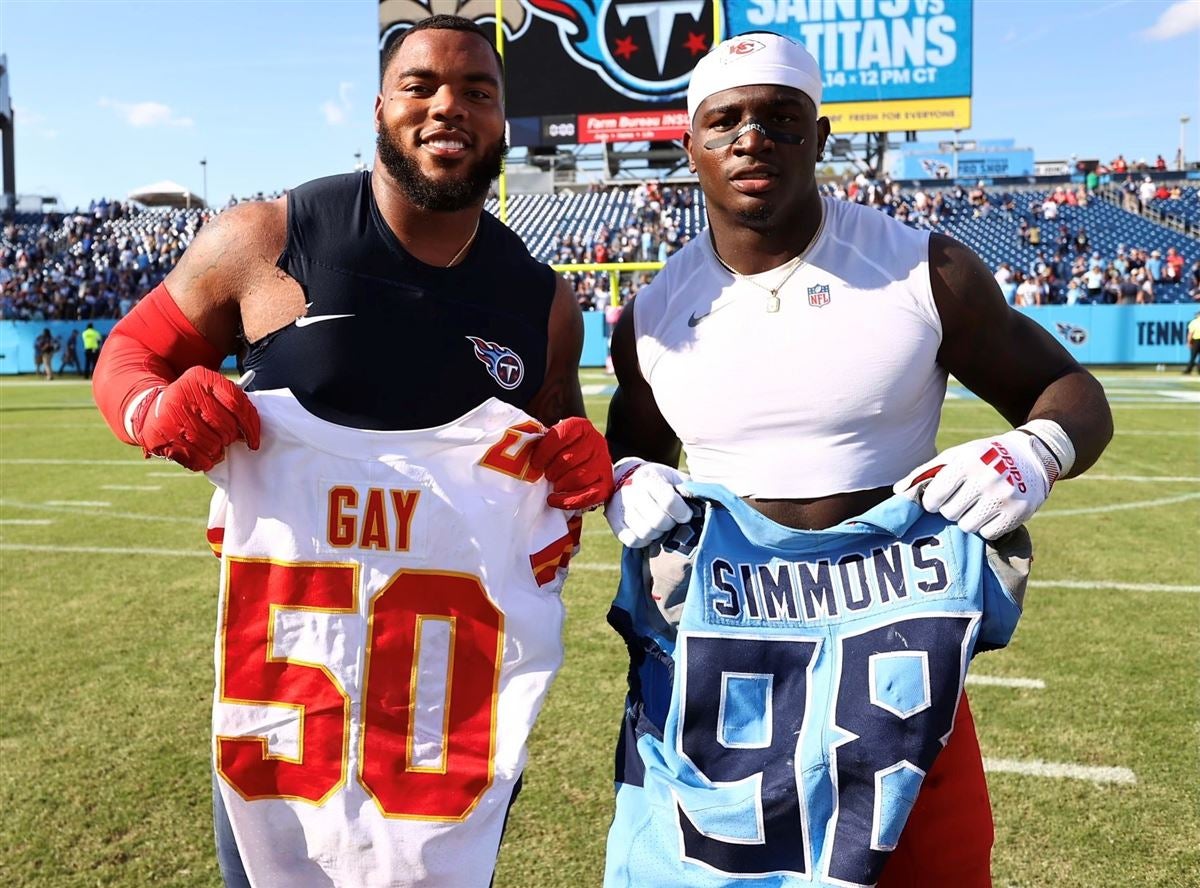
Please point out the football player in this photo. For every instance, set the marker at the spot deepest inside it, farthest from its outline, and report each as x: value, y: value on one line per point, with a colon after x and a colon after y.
x: 800, y: 350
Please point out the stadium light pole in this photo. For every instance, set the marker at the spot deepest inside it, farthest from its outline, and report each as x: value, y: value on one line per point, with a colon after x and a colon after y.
x: 1183, y: 122
x: 204, y: 177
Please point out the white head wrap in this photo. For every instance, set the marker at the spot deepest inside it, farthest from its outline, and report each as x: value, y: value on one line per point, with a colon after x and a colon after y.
x: 753, y: 59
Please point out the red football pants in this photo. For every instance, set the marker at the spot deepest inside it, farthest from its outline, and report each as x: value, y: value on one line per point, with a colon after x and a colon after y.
x: 947, y: 842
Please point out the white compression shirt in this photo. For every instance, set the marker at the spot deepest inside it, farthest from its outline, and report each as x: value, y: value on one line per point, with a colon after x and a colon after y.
x: 839, y: 390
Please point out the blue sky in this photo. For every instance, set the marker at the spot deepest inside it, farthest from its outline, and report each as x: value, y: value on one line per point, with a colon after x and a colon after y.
x: 112, y: 95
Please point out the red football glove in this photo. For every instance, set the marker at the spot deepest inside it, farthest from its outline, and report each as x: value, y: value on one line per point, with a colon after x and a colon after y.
x: 192, y: 420
x: 573, y: 456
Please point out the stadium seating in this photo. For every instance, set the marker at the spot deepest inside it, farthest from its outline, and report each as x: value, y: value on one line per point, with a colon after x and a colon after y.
x: 119, y: 252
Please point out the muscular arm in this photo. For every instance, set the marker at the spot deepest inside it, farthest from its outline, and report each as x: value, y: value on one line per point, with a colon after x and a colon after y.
x: 1010, y: 361
x: 192, y: 321
x: 232, y: 260
x: 560, y: 395
x: 636, y: 427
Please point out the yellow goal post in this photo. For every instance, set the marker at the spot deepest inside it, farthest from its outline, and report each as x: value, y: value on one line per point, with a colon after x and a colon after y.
x: 612, y: 269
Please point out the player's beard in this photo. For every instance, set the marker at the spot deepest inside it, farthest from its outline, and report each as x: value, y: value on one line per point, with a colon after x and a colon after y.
x: 430, y: 194
x: 758, y: 219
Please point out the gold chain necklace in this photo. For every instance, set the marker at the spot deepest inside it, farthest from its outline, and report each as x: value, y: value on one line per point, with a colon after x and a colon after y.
x: 467, y: 245
x: 773, y: 292
x: 795, y: 262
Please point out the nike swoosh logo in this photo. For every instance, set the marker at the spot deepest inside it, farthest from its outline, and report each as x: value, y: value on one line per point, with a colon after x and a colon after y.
x: 694, y: 319
x: 316, y: 319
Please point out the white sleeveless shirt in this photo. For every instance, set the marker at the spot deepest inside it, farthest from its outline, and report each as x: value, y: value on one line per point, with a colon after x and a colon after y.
x: 839, y: 390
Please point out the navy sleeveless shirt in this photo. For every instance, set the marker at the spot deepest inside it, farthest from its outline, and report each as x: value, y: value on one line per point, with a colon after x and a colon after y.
x: 390, y: 342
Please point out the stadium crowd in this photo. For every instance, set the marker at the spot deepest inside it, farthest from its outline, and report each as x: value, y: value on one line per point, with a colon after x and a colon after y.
x: 97, y: 263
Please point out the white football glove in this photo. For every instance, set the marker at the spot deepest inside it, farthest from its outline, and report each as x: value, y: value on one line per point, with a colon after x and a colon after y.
x: 992, y: 485
x: 645, y: 504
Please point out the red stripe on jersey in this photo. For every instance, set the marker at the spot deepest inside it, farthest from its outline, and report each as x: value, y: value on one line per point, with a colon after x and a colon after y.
x: 216, y: 537
x: 546, y: 562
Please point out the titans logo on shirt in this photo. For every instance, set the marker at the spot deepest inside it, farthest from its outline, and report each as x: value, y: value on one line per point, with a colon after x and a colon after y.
x: 504, y: 364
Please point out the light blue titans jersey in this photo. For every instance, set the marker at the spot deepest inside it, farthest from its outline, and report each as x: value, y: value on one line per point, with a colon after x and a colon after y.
x: 790, y: 689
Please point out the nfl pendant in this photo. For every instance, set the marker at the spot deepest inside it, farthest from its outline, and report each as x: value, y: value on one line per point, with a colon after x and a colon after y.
x: 773, y: 303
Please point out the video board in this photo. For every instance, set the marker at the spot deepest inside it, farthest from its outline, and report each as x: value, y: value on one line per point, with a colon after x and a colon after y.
x: 888, y: 65
x: 580, y: 71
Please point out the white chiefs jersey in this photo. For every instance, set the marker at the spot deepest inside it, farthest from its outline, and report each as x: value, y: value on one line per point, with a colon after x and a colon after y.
x: 389, y: 622
x: 838, y: 389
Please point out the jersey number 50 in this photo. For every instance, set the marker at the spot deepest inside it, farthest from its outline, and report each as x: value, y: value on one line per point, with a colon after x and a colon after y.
x: 251, y: 672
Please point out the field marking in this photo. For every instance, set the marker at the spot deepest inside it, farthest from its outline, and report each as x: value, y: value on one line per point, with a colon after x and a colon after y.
x: 131, y: 516
x: 996, y: 681
x: 18, y: 461
x: 131, y: 487
x: 1110, y: 584
x: 1148, y: 433
x: 91, y: 504
x: 26, y: 522
x: 105, y: 550
x: 177, y: 474
x: 588, y: 566
x: 1118, y: 507
x: 1179, y: 479
x: 1059, y: 770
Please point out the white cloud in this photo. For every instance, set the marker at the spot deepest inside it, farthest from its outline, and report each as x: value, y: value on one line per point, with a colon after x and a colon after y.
x: 1176, y: 20
x: 337, y: 112
x: 145, y: 114
x: 30, y: 121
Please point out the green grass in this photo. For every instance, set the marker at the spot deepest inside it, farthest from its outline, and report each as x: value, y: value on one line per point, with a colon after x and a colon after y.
x: 106, y: 661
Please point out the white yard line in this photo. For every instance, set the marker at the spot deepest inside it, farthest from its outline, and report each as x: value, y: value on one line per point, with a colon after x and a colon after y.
x: 26, y: 522
x: 1059, y: 770
x: 995, y: 681
x: 82, y: 504
x: 105, y: 550
x: 195, y: 521
x: 1117, y: 507
x: 131, y: 487
x: 1110, y: 584
x: 72, y: 462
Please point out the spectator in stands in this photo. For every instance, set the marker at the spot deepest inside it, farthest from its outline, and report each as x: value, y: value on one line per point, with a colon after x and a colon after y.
x: 1174, y: 270
x: 1081, y: 240
x: 1035, y: 234
x: 1127, y: 289
x: 1145, y: 294
x: 1062, y: 241
x: 1092, y: 180
x: 1155, y: 265
x: 1029, y: 292
x: 1093, y: 281
x: 1111, y: 288
x: 1159, y: 163
x: 1049, y: 210
x: 1129, y: 196
x: 1119, y: 165
x: 1145, y: 194
x: 1075, y: 292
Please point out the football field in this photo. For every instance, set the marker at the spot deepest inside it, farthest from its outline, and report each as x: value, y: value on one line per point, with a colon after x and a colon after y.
x: 1089, y: 721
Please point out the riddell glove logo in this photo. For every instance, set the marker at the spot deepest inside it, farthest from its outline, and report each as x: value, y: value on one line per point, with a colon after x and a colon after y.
x: 1002, y: 461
